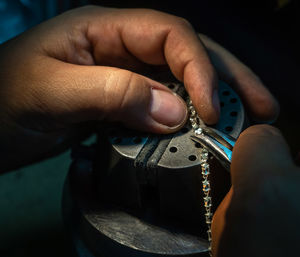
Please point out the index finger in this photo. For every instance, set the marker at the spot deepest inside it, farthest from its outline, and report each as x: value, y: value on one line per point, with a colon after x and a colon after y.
x: 158, y: 38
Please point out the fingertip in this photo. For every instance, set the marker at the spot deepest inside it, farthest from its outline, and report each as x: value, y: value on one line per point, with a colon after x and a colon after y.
x: 203, y: 90
x: 167, y: 109
x: 266, y: 111
x: 209, y: 108
x: 216, y: 108
x: 163, y: 111
x: 209, y: 117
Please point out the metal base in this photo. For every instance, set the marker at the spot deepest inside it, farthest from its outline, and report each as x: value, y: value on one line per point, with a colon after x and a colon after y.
x: 107, y: 231
x: 136, y: 194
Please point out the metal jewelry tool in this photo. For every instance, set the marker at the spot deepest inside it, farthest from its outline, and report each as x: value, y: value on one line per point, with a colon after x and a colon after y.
x: 219, y: 144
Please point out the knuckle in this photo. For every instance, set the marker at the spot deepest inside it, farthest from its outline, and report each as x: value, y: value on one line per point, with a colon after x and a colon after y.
x: 121, y: 91
x: 115, y: 90
x: 126, y: 87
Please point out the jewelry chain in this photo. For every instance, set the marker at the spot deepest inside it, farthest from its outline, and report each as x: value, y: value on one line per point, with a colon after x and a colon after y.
x: 205, y: 171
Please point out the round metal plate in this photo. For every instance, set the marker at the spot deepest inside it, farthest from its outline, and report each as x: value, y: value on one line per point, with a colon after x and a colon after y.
x: 181, y: 152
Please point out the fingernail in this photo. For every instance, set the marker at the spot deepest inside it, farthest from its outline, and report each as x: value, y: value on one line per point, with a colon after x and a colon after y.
x: 167, y: 108
x: 216, y: 101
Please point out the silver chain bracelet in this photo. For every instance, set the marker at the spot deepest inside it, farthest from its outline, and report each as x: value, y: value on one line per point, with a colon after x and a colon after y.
x: 205, y: 171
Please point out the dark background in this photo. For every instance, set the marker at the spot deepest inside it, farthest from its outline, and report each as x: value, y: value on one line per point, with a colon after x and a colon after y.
x: 262, y: 34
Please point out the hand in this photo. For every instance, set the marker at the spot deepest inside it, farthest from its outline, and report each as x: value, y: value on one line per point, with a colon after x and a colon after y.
x: 260, y: 214
x: 81, y: 66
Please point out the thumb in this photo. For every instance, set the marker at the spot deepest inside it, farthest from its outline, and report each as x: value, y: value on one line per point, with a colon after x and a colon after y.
x: 112, y: 94
x: 259, y: 152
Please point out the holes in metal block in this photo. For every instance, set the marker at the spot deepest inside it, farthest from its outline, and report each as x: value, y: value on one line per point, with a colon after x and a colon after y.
x: 222, y: 104
x: 173, y: 149
x: 233, y: 100
x: 233, y: 114
x: 197, y: 145
x: 229, y: 128
x: 226, y: 93
x: 192, y: 158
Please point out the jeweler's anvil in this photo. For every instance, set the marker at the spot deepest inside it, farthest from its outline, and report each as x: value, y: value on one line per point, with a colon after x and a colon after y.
x: 138, y: 194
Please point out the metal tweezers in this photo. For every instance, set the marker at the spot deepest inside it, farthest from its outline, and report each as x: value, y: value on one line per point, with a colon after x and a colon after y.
x: 219, y: 144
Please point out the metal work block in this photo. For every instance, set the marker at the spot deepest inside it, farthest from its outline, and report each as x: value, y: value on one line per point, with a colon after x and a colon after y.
x: 146, y: 197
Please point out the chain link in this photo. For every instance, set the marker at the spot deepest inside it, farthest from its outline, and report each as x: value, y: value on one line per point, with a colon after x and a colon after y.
x: 205, y: 171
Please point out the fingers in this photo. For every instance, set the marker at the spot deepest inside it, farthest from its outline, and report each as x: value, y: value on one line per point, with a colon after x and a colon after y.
x: 111, y: 94
x: 264, y: 177
x: 260, y: 152
x: 130, y: 39
x: 157, y: 38
x: 189, y: 61
x: 260, y: 104
x: 260, y: 162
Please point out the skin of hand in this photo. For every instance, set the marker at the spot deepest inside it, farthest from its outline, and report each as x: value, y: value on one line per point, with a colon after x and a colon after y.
x: 85, y: 64
x: 260, y: 214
